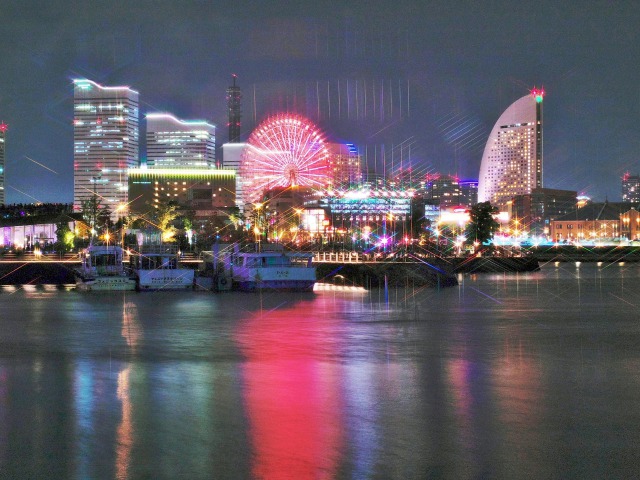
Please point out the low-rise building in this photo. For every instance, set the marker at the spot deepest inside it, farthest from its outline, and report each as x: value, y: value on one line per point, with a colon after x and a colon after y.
x: 596, y: 222
x: 533, y: 212
x: 201, y: 190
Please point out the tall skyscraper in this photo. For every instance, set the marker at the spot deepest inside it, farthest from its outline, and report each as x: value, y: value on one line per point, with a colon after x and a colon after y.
x: 174, y: 143
x: 3, y: 131
x: 512, y: 159
x: 105, y: 137
x: 631, y: 188
x: 234, y: 106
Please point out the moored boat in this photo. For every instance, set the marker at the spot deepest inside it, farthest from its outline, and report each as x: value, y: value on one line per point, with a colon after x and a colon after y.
x: 157, y: 267
x: 102, y: 270
x: 272, y: 270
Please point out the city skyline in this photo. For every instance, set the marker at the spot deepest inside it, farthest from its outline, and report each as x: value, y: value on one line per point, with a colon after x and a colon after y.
x: 409, y: 85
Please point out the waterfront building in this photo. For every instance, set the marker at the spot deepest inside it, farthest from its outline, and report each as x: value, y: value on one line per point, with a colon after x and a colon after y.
x: 368, y: 215
x: 174, y: 143
x: 631, y: 188
x: 533, y: 212
x: 27, y: 227
x: 595, y: 222
x: 105, y: 137
x: 630, y: 224
x: 512, y: 159
x: 205, y: 191
x: 3, y: 136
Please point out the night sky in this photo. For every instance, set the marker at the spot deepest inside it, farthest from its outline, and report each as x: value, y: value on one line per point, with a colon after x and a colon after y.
x: 436, y: 77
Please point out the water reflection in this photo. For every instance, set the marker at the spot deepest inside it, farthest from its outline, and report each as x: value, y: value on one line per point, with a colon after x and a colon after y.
x: 132, y: 333
x: 504, y: 377
x: 291, y: 392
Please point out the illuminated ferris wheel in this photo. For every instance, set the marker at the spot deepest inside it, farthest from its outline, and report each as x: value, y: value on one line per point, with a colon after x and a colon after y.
x: 285, y: 150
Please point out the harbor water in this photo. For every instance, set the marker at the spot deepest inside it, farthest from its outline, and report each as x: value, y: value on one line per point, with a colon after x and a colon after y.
x: 506, y: 376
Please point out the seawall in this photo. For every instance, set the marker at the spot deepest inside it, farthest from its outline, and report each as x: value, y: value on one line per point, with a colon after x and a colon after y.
x: 397, y: 274
x: 494, y: 264
x: 431, y: 272
x: 21, y: 273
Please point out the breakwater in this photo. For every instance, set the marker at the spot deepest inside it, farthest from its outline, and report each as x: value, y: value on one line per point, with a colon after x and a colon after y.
x: 394, y: 274
x: 493, y: 264
x: 46, y: 272
x: 574, y: 253
x: 431, y: 272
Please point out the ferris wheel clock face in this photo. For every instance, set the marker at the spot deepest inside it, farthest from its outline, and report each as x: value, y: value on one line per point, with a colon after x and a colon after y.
x: 284, y: 151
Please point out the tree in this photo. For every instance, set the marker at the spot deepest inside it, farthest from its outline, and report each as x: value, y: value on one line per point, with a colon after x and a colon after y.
x: 482, y: 224
x: 64, y: 236
x: 165, y: 216
x: 95, y: 216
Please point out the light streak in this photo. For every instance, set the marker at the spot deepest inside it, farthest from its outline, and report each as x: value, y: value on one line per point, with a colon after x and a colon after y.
x: 43, y: 166
x: 23, y: 193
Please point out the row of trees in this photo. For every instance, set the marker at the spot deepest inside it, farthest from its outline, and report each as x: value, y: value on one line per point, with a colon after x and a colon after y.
x: 168, y: 220
x: 175, y: 225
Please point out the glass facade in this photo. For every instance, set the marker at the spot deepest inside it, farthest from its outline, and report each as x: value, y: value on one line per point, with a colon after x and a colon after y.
x: 105, y: 137
x: 174, y: 143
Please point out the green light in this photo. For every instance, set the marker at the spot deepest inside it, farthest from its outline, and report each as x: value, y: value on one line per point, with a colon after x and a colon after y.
x: 538, y: 98
x: 181, y: 173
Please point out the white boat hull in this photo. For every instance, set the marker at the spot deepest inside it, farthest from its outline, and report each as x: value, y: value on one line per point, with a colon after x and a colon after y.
x: 106, y: 284
x: 275, y: 278
x: 174, y: 279
x: 102, y: 270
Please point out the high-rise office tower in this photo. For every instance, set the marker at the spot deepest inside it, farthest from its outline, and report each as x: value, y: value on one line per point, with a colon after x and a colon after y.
x: 234, y: 107
x: 105, y: 137
x: 631, y: 188
x: 512, y: 159
x: 3, y: 131
x: 174, y: 143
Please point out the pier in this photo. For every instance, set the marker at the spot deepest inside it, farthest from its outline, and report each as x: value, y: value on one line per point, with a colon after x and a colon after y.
x: 349, y: 267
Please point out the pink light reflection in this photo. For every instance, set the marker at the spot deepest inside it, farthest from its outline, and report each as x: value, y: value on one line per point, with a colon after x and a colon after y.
x: 292, y: 398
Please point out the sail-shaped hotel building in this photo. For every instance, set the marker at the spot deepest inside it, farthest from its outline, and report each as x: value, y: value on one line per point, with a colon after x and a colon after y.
x: 512, y: 159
